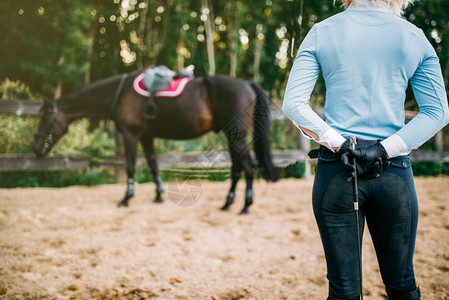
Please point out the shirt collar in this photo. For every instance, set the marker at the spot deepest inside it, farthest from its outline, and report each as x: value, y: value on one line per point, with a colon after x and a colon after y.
x: 370, y: 5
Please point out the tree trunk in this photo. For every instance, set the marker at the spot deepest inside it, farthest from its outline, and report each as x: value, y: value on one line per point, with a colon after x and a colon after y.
x: 232, y: 37
x: 91, y: 37
x: 149, y: 36
x: 88, y: 75
x: 256, y: 63
x: 446, y: 71
x: 233, y: 59
x: 162, y: 32
x: 141, y: 35
x: 301, y: 17
x: 208, y: 25
x: 58, y: 89
x: 180, y: 56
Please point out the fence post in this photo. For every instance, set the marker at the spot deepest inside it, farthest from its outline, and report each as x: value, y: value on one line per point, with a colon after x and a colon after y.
x: 438, y: 139
x: 304, y: 145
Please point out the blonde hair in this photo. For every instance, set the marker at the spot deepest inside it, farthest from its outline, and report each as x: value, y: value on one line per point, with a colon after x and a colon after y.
x: 396, y: 6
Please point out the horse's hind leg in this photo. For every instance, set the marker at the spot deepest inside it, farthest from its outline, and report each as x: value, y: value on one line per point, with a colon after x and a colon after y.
x: 147, y: 142
x: 241, y: 162
x: 130, y: 142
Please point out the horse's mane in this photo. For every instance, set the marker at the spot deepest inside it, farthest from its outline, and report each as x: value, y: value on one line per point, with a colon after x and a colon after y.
x: 95, y: 98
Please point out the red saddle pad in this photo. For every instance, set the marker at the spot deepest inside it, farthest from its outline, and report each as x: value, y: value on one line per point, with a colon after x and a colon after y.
x: 175, y: 88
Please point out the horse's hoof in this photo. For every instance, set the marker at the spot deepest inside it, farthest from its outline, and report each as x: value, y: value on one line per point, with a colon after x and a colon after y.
x: 225, y: 207
x: 123, y: 204
x: 158, y: 200
x: 228, y: 203
x: 244, y: 211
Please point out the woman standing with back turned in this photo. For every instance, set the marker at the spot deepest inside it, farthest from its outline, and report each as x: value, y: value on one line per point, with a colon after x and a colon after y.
x: 367, y: 54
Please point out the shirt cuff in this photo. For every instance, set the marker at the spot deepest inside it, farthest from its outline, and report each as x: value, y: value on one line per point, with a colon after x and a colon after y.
x: 395, y: 146
x: 331, y: 139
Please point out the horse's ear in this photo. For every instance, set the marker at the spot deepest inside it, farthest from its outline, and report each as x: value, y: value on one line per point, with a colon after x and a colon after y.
x: 46, y: 105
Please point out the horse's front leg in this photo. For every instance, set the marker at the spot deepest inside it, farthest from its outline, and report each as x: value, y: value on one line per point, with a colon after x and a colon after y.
x: 130, y: 142
x: 147, y: 142
x: 235, y: 175
x: 241, y: 162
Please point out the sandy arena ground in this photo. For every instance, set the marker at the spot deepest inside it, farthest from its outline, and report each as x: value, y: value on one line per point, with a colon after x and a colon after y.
x: 74, y: 243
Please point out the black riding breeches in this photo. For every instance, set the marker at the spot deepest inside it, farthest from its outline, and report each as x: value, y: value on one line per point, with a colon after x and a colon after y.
x: 389, y: 205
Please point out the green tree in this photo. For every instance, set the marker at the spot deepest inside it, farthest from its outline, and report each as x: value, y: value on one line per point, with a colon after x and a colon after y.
x: 65, y: 44
x: 44, y: 42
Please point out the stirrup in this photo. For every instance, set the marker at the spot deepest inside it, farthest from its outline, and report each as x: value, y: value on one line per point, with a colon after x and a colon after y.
x: 150, y: 112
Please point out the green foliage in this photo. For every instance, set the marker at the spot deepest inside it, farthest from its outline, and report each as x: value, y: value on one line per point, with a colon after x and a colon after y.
x: 143, y: 175
x: 71, y: 42
x: 296, y: 170
x: 16, y: 134
x: 79, y: 142
x: 428, y: 146
x: 56, y: 178
x: 445, y: 169
x: 427, y: 168
x: 283, y: 135
x: 98, y: 176
x: 14, y: 90
x: 209, y: 142
x: 44, y: 42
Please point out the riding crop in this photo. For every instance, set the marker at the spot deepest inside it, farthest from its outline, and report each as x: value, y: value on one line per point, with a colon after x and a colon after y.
x: 355, y: 193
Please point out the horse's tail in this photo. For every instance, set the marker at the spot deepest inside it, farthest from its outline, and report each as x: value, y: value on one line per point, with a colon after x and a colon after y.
x: 262, y: 134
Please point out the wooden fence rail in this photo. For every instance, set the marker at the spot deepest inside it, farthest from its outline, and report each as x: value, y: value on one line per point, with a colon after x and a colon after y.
x: 170, y: 161
x: 20, y: 107
x: 165, y: 161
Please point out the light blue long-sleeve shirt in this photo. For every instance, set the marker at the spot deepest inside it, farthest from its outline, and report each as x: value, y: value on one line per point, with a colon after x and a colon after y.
x: 367, y: 58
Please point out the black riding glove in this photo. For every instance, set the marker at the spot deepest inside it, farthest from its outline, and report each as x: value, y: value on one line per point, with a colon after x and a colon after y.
x: 346, y: 158
x: 370, y: 160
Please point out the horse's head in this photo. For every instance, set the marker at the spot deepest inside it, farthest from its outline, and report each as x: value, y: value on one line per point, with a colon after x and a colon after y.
x: 51, y: 127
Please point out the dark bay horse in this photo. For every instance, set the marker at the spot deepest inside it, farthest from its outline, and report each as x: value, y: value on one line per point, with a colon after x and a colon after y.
x: 217, y: 103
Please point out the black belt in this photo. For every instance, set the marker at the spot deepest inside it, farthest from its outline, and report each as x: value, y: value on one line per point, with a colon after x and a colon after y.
x: 315, y: 153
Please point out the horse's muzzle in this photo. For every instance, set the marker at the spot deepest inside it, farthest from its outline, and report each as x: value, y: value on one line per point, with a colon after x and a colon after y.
x: 41, y: 146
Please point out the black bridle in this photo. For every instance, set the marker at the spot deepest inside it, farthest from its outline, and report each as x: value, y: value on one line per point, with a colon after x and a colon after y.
x: 48, y: 135
x: 62, y: 123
